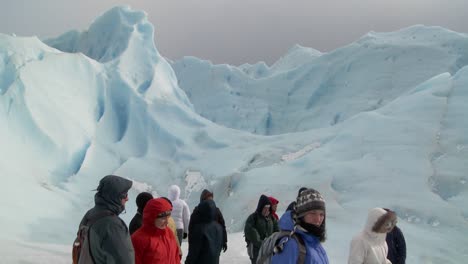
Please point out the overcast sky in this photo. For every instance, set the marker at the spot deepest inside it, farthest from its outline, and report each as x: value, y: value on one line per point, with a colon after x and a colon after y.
x: 240, y: 31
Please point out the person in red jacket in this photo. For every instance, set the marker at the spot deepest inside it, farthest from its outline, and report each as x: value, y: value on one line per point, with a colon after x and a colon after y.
x: 154, y: 242
x: 274, y: 206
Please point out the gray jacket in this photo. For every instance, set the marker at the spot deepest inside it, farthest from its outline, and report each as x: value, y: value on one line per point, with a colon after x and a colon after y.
x: 109, y: 237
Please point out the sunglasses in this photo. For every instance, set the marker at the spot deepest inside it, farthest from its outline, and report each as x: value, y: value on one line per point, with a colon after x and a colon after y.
x: 164, y: 214
x: 124, y: 196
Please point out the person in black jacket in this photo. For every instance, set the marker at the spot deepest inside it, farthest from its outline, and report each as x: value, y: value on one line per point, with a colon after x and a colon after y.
x: 195, y: 217
x: 206, y: 236
x: 109, y: 238
x: 141, y: 201
x: 396, y: 245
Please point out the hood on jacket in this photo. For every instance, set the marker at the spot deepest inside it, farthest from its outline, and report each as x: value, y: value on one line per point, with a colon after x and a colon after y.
x: 262, y: 202
x: 389, y: 218
x: 111, y: 191
x: 207, y: 211
x: 142, y: 199
x: 205, y: 194
x: 174, y: 193
x: 286, y: 221
x: 152, y: 209
x: 376, y: 218
x: 273, y: 200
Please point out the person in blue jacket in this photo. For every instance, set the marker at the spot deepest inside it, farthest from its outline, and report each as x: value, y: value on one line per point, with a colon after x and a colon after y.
x: 308, y: 221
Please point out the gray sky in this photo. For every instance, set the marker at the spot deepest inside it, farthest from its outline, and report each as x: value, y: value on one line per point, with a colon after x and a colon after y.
x: 240, y: 31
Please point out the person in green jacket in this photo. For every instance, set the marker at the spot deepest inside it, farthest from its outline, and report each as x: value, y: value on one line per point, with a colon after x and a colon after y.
x: 258, y: 226
x: 109, y: 238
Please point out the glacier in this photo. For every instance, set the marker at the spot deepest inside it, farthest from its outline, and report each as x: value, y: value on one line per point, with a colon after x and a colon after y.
x: 380, y: 122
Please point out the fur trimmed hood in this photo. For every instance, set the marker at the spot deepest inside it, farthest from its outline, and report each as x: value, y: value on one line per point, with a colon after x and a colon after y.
x: 377, y: 218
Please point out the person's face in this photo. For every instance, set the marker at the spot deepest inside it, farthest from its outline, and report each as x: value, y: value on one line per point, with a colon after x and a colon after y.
x: 314, y: 217
x: 266, y: 210
x: 161, y: 222
x: 209, y: 198
x: 124, y: 199
x: 388, y: 225
x: 273, y: 207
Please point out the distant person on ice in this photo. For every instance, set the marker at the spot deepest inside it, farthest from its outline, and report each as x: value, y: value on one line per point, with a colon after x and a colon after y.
x: 194, y: 218
x: 258, y: 226
x: 205, y: 236
x: 369, y: 246
x: 307, y: 220
x: 154, y: 242
x: 108, y: 236
x: 141, y: 201
x: 180, y: 212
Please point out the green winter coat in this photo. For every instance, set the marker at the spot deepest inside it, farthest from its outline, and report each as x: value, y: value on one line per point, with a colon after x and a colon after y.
x: 257, y: 227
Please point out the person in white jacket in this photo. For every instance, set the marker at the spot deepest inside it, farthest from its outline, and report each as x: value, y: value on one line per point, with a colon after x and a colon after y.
x: 369, y: 246
x: 180, y: 212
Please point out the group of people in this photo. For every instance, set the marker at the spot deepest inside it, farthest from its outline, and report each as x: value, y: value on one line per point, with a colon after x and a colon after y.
x: 304, y: 228
x: 156, y: 232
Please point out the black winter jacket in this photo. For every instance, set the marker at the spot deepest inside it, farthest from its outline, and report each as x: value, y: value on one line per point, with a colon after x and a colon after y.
x: 195, y: 217
x: 396, y: 246
x: 206, y: 236
x: 135, y: 223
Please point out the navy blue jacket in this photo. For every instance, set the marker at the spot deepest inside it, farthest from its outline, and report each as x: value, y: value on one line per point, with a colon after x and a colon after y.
x: 396, y: 246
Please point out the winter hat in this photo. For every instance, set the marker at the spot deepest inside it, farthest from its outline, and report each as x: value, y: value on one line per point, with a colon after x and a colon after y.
x: 301, y: 189
x: 142, y: 199
x: 307, y: 200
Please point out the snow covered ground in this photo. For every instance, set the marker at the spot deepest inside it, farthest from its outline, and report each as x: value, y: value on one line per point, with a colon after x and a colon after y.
x: 380, y: 122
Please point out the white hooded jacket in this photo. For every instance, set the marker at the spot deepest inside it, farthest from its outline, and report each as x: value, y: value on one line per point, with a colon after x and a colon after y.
x: 369, y: 247
x: 180, y: 210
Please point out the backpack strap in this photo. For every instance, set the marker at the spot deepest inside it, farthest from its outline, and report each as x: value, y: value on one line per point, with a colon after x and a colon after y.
x: 300, y: 244
x: 302, y: 248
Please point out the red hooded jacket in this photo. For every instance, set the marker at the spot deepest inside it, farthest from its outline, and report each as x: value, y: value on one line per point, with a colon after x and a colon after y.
x: 151, y: 244
x: 274, y: 201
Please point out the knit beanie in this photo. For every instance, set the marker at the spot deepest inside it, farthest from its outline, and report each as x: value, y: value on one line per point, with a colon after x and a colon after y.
x: 142, y: 199
x: 307, y: 200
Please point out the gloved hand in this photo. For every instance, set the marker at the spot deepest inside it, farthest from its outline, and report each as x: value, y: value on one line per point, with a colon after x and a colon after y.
x: 224, y: 247
x: 185, y: 235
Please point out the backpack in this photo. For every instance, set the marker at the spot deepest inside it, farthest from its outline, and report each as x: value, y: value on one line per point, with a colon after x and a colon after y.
x: 274, y: 244
x: 81, y: 252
